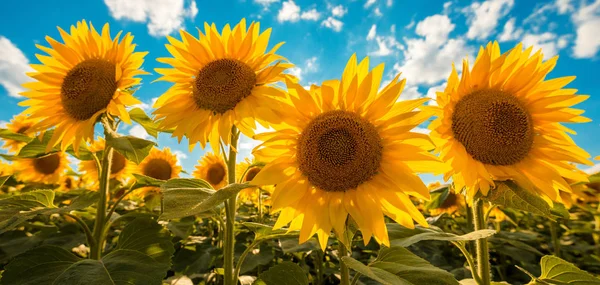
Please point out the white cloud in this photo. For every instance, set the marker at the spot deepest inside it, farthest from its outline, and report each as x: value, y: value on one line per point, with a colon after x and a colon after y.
x: 162, y: 16
x: 138, y: 131
x: 13, y: 66
x: 310, y: 65
x: 265, y: 3
x: 587, y: 21
x: 548, y: 42
x: 435, y: 28
x: 369, y: 3
x: 339, y: 11
x: 377, y: 12
x: 372, y: 33
x: 180, y: 155
x: 431, y: 93
x: 410, y: 25
x: 421, y: 130
x: 593, y: 170
x: 564, y: 6
x: 410, y: 92
x: 389, y: 3
x: 312, y: 15
x: 3, y: 124
x: 510, y: 33
x: 447, y: 6
x: 483, y: 17
x: 147, y: 106
x: 333, y: 24
x: 289, y: 12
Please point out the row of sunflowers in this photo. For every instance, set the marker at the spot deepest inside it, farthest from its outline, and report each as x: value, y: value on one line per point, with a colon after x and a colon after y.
x: 332, y: 194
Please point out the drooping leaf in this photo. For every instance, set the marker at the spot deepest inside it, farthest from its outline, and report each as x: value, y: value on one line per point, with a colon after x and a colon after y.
x: 139, y: 116
x: 181, y: 202
x: 37, y: 148
x: 558, y: 271
x: 134, y: 149
x: 284, y: 273
x: 401, y: 236
x: 438, y: 196
x: 509, y: 195
x: 145, y: 181
x: 20, y: 208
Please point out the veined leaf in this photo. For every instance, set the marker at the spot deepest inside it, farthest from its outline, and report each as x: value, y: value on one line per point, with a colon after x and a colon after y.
x: 265, y: 232
x: 134, y: 149
x: 7, y: 134
x: 284, y: 273
x: 558, y: 271
x: 140, y: 117
x: 144, y: 181
x: 401, y: 236
x: 508, y: 194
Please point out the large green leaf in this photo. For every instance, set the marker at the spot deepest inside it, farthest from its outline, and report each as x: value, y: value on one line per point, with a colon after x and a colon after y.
x: 560, y: 272
x: 397, y: 265
x: 265, y: 232
x: 7, y: 134
x: 401, y: 236
x: 180, y: 200
x: 142, y: 256
x: 134, y: 149
x: 438, y: 196
x: 17, y: 209
x: 139, y: 116
x: 37, y: 148
x: 509, y: 195
x: 284, y: 273
x: 144, y: 181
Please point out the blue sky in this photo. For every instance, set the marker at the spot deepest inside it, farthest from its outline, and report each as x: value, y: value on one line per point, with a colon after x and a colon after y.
x: 418, y: 38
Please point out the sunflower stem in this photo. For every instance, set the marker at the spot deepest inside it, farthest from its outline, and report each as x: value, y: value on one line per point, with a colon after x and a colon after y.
x: 344, y: 270
x: 483, y: 255
x: 96, y: 249
x: 596, y: 235
x: 555, y: 238
x: 228, y: 251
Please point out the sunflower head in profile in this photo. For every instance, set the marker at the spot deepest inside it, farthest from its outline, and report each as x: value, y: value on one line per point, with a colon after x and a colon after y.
x: 581, y: 194
x: 453, y: 203
x: 346, y: 148
x: 121, y: 169
x: 47, y: 169
x: 212, y: 169
x: 502, y: 120
x: 221, y: 79
x: 87, y: 75
x: 20, y: 124
x: 159, y: 164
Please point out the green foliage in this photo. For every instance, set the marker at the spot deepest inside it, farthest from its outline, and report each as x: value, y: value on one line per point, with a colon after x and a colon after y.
x: 37, y: 148
x: 560, y: 272
x: 146, y: 181
x: 139, y: 116
x: 142, y: 256
x: 134, y: 149
x: 399, y: 266
x: 3, y: 179
x: 7, y: 134
x: 284, y: 273
x: 401, y: 236
x: 17, y: 209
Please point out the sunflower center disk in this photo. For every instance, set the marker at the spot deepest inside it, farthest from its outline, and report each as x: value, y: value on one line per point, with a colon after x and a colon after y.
x: 158, y: 169
x: 222, y: 84
x: 493, y: 126
x: 215, y: 174
x: 339, y: 150
x: 47, y: 164
x: 118, y: 163
x: 88, y: 88
x: 251, y: 173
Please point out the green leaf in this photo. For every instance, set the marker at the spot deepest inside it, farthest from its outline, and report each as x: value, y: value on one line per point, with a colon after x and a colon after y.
x: 181, y: 202
x: 17, y: 209
x: 471, y: 281
x: 36, y: 147
x: 134, y: 149
x: 284, y: 273
x: 144, y: 181
x: 558, y: 271
x: 138, y: 115
x: 401, y: 236
x: 265, y: 232
x: 438, y: 196
x: 7, y: 134
x: 509, y: 195
x: 142, y: 256
x: 3, y: 180
x: 594, y: 178
x: 397, y: 265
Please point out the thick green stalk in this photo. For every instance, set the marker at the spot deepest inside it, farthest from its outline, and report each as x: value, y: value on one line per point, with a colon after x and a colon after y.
x: 555, y: 237
x: 483, y: 255
x: 344, y: 270
x: 96, y: 249
x: 228, y: 251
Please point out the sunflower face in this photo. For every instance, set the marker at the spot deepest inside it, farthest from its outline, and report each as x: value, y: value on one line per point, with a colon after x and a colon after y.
x: 20, y: 124
x: 503, y: 121
x: 160, y: 164
x: 338, y: 150
x: 158, y: 169
x: 212, y: 168
x: 121, y: 169
x: 221, y: 79
x: 346, y: 148
x: 46, y: 169
x: 251, y: 173
x: 80, y: 80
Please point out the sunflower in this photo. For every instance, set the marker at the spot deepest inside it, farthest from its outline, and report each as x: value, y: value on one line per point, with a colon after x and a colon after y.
x: 47, y: 169
x: 221, y: 79
x: 502, y: 121
x: 5, y: 169
x: 84, y: 77
x: 453, y: 203
x: 159, y: 164
x: 121, y: 169
x: 246, y: 171
x: 212, y: 169
x: 497, y: 213
x: 20, y: 124
x: 346, y: 148
x: 68, y: 183
x: 581, y: 193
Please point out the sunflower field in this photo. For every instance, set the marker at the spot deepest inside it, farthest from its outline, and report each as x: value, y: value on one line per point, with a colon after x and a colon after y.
x: 333, y: 192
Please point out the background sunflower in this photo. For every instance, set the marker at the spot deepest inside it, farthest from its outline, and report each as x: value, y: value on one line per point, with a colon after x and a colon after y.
x: 159, y: 164
x: 221, y: 79
x: 502, y: 120
x: 47, y: 169
x: 121, y: 169
x: 346, y: 148
x: 20, y: 124
x: 80, y: 79
x: 213, y: 169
